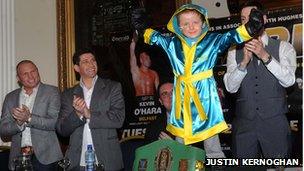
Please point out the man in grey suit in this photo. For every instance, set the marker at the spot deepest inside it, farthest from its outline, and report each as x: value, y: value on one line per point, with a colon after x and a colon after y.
x: 28, y: 118
x: 90, y: 114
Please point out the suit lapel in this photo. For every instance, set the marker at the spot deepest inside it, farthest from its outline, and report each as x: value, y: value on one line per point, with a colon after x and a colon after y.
x: 16, y: 99
x: 38, y: 98
x: 97, y: 93
x: 78, y: 91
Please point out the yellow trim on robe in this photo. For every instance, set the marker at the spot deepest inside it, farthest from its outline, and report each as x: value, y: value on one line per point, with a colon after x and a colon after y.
x: 147, y: 35
x: 199, y: 136
x: 189, y: 91
x: 243, y: 33
x: 188, y: 80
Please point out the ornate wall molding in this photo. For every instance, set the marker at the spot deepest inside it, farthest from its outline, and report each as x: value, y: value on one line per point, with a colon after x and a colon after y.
x: 7, y: 53
x: 65, y: 43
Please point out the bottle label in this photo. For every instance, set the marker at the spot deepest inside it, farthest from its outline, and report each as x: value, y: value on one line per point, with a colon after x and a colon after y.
x: 90, y: 167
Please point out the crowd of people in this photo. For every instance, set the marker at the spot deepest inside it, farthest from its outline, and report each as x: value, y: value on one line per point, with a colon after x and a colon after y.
x: 259, y: 68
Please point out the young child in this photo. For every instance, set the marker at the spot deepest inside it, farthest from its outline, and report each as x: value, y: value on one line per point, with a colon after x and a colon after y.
x: 196, y: 110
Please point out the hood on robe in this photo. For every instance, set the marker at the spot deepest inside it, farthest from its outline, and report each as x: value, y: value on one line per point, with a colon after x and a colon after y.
x: 173, y: 23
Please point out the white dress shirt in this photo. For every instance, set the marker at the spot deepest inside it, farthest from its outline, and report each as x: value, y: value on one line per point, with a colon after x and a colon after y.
x: 87, y: 136
x: 28, y: 101
x: 284, y: 70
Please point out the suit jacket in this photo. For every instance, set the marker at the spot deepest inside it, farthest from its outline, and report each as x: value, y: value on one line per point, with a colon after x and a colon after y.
x: 107, y: 114
x: 155, y: 128
x: 44, y: 116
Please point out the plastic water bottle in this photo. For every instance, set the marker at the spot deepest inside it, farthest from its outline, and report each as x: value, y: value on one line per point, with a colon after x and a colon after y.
x: 90, y: 158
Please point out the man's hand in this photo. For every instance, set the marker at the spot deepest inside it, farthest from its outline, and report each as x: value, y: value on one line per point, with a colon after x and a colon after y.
x: 79, y: 105
x: 247, y: 57
x: 81, y: 108
x: 164, y: 135
x: 132, y: 45
x: 256, y: 46
x: 255, y: 23
x: 135, y: 37
x: 21, y: 114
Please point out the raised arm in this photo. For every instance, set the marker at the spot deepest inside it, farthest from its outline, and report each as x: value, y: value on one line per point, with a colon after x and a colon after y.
x: 133, y: 64
x: 243, y: 33
x: 235, y: 73
x: 284, y: 69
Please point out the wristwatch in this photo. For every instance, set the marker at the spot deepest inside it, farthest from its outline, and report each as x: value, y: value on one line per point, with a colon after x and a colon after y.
x: 268, y: 61
x: 29, y: 119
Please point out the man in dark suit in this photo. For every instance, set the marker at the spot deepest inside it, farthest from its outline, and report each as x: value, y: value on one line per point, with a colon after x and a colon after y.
x: 28, y: 118
x: 90, y: 114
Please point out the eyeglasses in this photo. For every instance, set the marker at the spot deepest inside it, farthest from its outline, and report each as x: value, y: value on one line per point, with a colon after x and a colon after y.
x: 166, y: 94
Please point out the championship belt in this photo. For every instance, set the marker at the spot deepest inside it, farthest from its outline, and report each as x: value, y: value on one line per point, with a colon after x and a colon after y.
x: 168, y: 155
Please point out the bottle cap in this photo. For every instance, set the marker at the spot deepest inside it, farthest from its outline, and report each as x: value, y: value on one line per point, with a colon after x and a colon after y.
x: 90, y: 147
